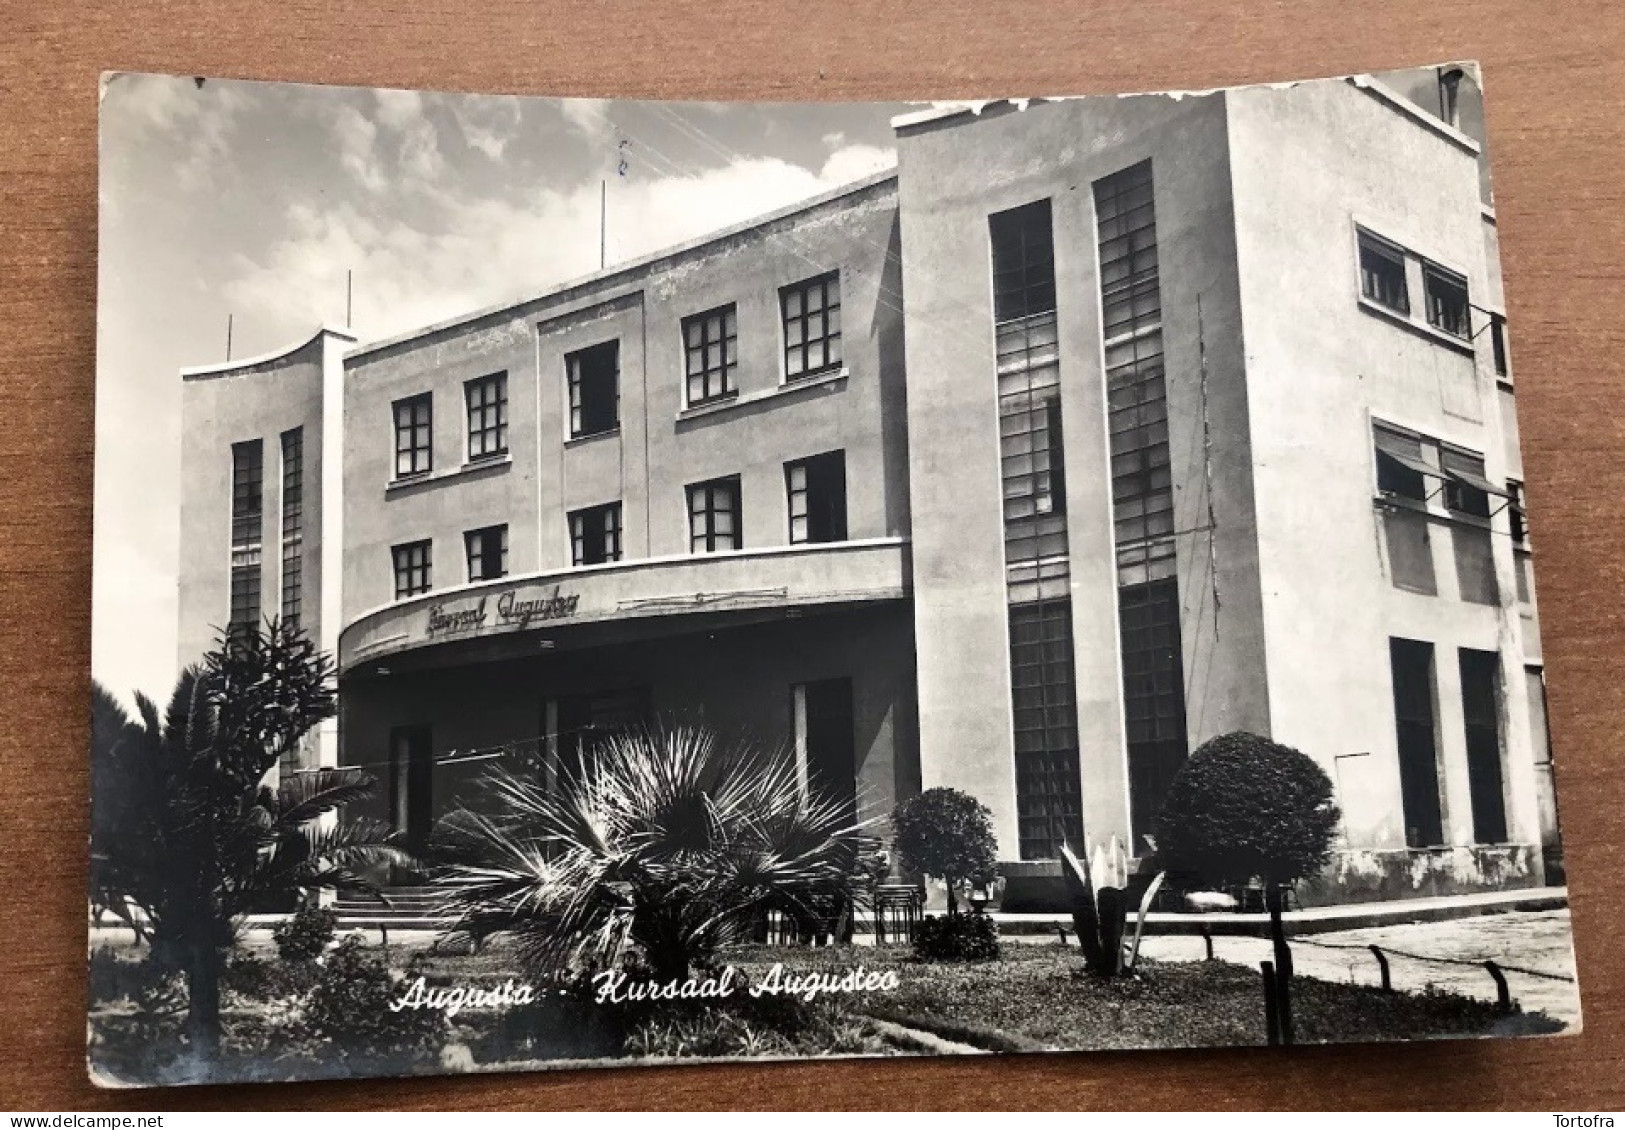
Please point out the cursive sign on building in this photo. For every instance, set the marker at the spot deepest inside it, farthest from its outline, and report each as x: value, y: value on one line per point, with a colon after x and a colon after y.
x: 512, y: 609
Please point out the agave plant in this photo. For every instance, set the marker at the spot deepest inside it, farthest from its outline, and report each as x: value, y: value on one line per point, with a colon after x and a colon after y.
x: 667, y: 839
x: 1098, y: 886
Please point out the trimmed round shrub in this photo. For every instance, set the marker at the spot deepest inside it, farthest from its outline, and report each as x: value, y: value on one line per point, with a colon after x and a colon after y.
x: 949, y: 834
x: 956, y: 937
x: 307, y: 934
x: 1244, y: 807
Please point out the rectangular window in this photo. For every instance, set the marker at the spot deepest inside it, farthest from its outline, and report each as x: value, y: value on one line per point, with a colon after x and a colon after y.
x: 1498, y: 344
x: 412, y: 572
x: 1515, y: 514
x: 1023, y: 261
x: 1049, y: 806
x: 816, y: 490
x: 1411, y: 663
x: 1466, y: 490
x: 1446, y: 300
x: 487, y: 553
x: 711, y: 354
x: 1382, y: 273
x: 487, y: 399
x: 1401, y: 470
x: 594, y: 376
x: 1153, y: 697
x: 595, y: 534
x: 812, y: 326
x: 413, y: 438
x: 1480, y: 708
x: 247, y: 534
x: 293, y: 526
x: 713, y: 515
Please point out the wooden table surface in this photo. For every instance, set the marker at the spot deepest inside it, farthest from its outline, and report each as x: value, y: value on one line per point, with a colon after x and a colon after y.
x: 1555, y: 79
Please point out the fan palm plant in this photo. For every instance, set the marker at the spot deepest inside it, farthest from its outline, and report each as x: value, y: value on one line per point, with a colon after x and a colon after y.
x: 186, y: 837
x: 668, y: 839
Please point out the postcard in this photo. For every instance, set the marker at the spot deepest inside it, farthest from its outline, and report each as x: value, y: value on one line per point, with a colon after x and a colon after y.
x: 585, y: 582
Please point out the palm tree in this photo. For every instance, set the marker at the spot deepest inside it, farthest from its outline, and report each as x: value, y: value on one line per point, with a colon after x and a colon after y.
x: 186, y: 837
x: 668, y: 839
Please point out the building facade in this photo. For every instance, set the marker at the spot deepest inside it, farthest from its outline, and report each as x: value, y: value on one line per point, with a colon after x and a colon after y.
x: 1098, y: 428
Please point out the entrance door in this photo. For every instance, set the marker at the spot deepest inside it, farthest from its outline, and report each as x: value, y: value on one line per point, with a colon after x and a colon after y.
x: 826, y: 741
x: 411, y: 784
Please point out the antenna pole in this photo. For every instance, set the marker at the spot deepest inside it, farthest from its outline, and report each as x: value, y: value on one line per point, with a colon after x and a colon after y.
x: 228, y: 336
x: 349, y: 295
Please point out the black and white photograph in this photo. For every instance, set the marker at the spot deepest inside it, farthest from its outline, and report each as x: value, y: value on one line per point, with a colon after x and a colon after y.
x: 584, y: 582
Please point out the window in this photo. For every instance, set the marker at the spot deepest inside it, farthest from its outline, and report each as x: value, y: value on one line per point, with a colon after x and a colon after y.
x: 1446, y: 300
x: 1450, y: 95
x: 1023, y: 261
x: 595, y: 534
x: 1153, y: 697
x: 247, y: 534
x: 1382, y: 273
x: 1480, y: 709
x: 1411, y: 663
x: 487, y: 553
x: 710, y: 349
x: 1466, y: 490
x: 1402, y: 472
x: 713, y: 516
x: 487, y: 416
x: 1498, y: 344
x: 411, y: 568
x: 413, y: 439
x: 1049, y: 807
x: 1516, y: 514
x: 595, y: 389
x: 293, y: 526
x: 812, y: 326
x: 816, y: 489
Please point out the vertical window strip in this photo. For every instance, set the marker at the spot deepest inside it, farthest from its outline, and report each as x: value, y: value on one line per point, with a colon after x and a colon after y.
x: 1142, y: 490
x: 293, y: 526
x: 247, y: 533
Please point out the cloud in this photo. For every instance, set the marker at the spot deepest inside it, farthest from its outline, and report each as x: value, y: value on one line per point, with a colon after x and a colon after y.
x: 356, y: 141
x: 855, y: 162
x: 197, y: 121
x: 586, y: 115
x: 404, y: 113
x: 487, y: 124
x: 477, y: 251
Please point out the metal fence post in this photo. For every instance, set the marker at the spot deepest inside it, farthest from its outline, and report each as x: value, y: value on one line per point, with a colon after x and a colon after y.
x: 1382, y: 963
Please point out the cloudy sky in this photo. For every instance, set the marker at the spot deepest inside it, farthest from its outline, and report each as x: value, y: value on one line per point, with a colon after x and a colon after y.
x: 252, y: 200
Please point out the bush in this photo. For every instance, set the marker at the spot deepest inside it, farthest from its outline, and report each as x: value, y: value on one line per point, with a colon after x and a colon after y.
x: 306, y: 935
x: 1244, y: 807
x: 957, y: 937
x: 349, y: 1005
x: 949, y: 834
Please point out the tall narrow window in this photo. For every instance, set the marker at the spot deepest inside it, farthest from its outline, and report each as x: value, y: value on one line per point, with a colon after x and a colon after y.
x: 247, y: 534
x: 1049, y: 805
x: 595, y: 534
x: 487, y: 550
x: 293, y: 526
x: 414, y: 436
x: 412, y: 568
x: 816, y: 492
x: 1153, y: 668
x: 713, y: 515
x: 594, y: 376
x: 1446, y: 300
x: 487, y: 400
x: 812, y: 326
x: 1515, y: 514
x: 711, y: 354
x: 1411, y: 662
x: 1480, y: 709
x: 1382, y: 273
x: 1498, y: 345
x: 1023, y: 242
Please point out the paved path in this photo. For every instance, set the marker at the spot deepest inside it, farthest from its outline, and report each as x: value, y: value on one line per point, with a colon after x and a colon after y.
x: 1537, y: 941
